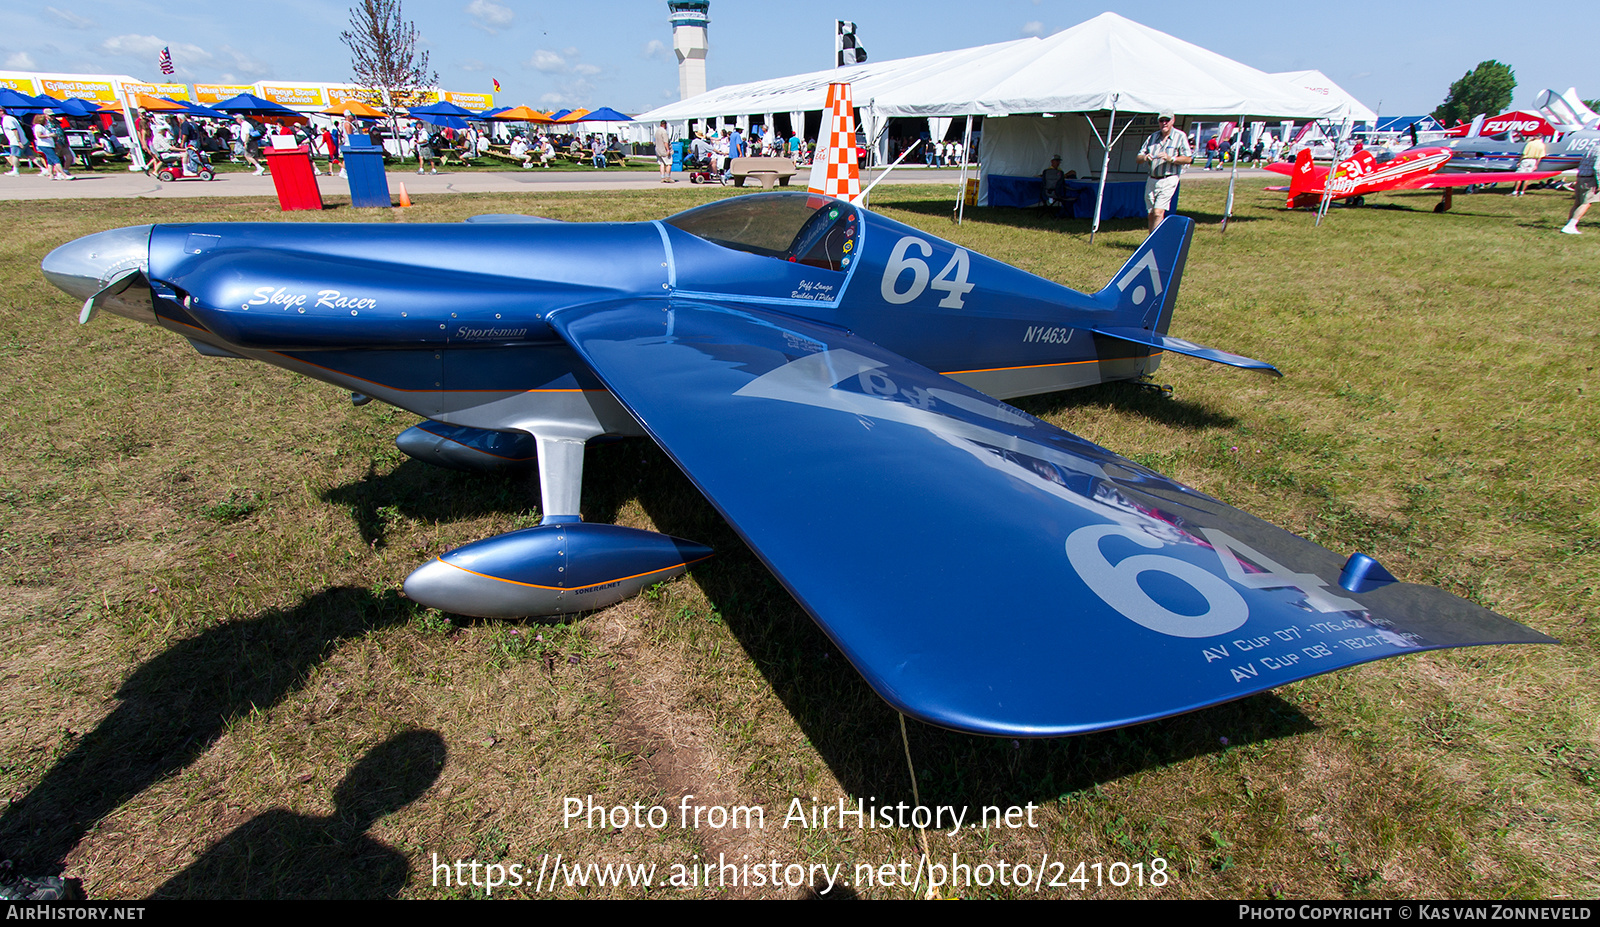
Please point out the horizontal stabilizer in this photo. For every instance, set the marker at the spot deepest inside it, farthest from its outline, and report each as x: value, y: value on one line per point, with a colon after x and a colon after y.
x: 1180, y: 346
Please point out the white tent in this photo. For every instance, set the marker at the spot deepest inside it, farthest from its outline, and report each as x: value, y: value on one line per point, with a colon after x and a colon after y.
x: 803, y: 92
x: 1316, y: 82
x: 1108, y: 65
x: 1082, y: 69
x: 1107, y: 62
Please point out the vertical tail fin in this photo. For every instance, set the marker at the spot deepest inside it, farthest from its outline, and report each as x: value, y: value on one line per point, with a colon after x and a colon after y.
x: 1144, y: 291
x: 1142, y: 295
x: 835, y: 171
x: 1304, y: 180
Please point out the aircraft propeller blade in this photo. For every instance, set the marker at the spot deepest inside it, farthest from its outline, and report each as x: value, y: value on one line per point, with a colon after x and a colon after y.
x: 115, y: 288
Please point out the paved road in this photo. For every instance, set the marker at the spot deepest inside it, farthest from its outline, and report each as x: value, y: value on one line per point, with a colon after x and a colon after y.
x: 106, y: 184
x: 30, y: 186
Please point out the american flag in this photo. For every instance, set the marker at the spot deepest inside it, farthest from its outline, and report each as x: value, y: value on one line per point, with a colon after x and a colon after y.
x: 165, y: 60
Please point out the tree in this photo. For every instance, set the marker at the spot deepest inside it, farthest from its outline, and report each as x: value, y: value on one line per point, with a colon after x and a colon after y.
x: 383, y: 53
x: 1484, y: 89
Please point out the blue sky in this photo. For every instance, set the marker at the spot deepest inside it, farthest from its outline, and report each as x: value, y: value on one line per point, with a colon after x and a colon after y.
x: 618, y: 53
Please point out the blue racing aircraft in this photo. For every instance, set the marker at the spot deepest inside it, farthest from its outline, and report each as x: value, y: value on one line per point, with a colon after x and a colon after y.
x: 832, y: 381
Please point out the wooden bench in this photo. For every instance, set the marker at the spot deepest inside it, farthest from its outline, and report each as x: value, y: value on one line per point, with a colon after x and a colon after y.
x: 770, y: 171
x: 503, y: 153
x: 585, y: 156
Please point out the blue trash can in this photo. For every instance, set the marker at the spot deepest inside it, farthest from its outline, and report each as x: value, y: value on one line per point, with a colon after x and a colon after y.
x: 363, y: 166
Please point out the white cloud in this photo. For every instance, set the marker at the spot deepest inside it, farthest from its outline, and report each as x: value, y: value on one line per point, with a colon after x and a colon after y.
x: 70, y: 18
x: 1034, y: 27
x: 655, y: 48
x: 571, y: 93
x: 489, y: 16
x: 547, y: 61
x: 244, y: 64
x: 471, y: 64
x: 137, y: 46
x: 22, y: 61
x: 563, y: 62
x: 186, y: 58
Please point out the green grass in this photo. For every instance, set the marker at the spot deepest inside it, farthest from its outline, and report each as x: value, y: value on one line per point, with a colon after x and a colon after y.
x: 202, y: 633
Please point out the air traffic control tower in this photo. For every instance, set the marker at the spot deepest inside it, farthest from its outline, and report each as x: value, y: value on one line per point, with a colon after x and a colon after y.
x: 689, y: 21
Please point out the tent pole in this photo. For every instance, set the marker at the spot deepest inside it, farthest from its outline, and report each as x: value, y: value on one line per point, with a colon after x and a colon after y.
x: 1105, y: 165
x: 1238, y: 147
x: 135, y: 150
x: 966, y: 152
x: 1327, y: 180
x: 885, y: 172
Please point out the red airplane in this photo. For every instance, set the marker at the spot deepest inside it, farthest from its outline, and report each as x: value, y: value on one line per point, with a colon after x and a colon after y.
x: 1361, y: 173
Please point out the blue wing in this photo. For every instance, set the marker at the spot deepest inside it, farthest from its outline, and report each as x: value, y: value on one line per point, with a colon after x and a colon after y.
x: 986, y: 571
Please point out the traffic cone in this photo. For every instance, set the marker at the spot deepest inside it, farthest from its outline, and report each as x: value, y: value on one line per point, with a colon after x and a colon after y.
x: 405, y: 198
x: 835, y: 171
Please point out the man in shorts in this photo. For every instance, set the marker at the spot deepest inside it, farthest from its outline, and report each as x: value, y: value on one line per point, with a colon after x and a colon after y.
x: 663, y: 140
x: 1531, y: 155
x: 1586, y: 191
x: 1167, y: 152
x: 14, y: 140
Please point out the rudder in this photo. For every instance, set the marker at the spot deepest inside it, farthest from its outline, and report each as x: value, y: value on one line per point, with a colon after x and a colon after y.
x: 1144, y: 291
x: 1304, y: 179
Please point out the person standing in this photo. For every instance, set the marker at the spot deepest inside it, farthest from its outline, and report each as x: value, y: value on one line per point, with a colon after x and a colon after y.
x: 1167, y: 152
x: 1531, y: 154
x: 45, y: 142
x: 424, y: 143
x: 736, y: 149
x: 663, y: 140
x: 1585, y: 192
x: 249, y: 136
x: 11, y: 127
x: 347, y: 128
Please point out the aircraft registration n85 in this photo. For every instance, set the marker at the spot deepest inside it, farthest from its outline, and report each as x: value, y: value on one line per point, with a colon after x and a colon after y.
x: 832, y: 381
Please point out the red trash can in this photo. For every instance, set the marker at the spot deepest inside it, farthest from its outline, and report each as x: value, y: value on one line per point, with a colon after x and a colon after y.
x: 293, y: 177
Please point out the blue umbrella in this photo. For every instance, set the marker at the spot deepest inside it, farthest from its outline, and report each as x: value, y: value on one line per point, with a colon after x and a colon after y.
x: 443, y: 122
x: 604, y: 114
x: 442, y: 108
x: 13, y: 100
x: 195, y: 109
x: 77, y: 106
x: 251, y: 105
x: 493, y: 111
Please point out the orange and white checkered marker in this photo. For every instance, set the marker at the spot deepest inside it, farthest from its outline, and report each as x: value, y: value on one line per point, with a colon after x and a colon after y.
x: 835, y: 172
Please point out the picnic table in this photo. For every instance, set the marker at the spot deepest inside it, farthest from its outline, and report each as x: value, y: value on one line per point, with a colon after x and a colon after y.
x: 586, y: 156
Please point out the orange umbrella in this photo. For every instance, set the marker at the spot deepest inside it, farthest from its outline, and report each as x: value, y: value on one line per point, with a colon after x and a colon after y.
x: 156, y: 104
x: 574, y: 116
x: 355, y: 108
x: 522, y: 113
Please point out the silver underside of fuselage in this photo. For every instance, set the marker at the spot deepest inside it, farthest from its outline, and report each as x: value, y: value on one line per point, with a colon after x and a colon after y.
x: 1015, y: 382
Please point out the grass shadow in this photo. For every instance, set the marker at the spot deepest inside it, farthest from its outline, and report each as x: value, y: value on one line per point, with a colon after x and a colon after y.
x: 1145, y: 401
x: 174, y: 707
x: 281, y: 854
x: 434, y: 494
x: 857, y: 734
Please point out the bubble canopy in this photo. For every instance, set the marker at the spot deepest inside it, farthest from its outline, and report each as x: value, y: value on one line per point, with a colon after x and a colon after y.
x: 799, y: 227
